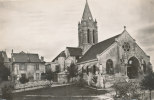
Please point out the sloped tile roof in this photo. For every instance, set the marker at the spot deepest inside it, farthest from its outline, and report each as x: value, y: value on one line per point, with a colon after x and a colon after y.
x: 97, y: 49
x: 62, y: 54
x: 25, y: 57
x: 75, y: 51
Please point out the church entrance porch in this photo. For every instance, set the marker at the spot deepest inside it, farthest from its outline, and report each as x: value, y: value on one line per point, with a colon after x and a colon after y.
x: 133, y: 67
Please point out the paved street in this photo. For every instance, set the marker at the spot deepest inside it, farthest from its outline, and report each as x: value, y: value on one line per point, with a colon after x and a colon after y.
x: 61, y: 93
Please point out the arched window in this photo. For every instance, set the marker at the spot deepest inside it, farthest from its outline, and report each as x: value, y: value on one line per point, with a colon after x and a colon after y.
x: 133, y: 68
x: 109, y: 67
x: 88, y: 36
x: 93, y: 36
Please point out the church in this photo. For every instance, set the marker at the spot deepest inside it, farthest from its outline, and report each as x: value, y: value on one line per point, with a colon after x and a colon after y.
x: 118, y: 55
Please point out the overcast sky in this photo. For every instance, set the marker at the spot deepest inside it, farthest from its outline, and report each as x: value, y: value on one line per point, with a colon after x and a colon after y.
x: 47, y: 27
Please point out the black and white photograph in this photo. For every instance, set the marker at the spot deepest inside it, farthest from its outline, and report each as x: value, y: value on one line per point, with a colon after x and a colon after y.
x: 76, y: 49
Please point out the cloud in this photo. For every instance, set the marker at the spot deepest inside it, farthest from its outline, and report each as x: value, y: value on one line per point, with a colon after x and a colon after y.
x: 48, y: 26
x: 146, y: 10
x: 146, y: 35
x: 148, y: 30
x: 150, y: 49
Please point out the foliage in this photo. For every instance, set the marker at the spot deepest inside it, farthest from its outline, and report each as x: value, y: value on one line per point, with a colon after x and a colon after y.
x: 122, y: 88
x: 43, y: 76
x: 49, y: 75
x: 57, y: 68
x: 1, y: 59
x: 7, y: 92
x: 148, y: 82
x: 23, y: 80
x: 95, y: 79
x: 81, y: 82
x: 149, y: 68
x: 127, y: 89
x: 73, y: 71
x: 135, y: 89
x: 4, y: 71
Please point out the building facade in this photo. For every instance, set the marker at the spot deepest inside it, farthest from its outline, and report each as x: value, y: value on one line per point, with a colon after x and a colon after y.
x: 63, y: 61
x: 27, y: 65
x: 119, y: 55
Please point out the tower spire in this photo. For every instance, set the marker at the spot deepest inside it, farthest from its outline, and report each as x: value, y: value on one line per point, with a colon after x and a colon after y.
x: 87, y: 29
x: 87, y: 13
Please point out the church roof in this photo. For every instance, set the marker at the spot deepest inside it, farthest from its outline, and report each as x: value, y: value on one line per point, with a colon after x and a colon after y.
x: 87, y: 13
x: 75, y: 51
x: 62, y: 54
x: 25, y: 57
x: 97, y: 49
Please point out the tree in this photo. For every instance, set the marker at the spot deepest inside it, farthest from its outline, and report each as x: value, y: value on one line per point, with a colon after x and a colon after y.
x: 49, y: 76
x: 149, y: 68
x: 23, y: 80
x: 7, y: 92
x: 4, y: 71
x: 148, y: 82
x: 72, y: 71
x: 127, y: 89
x: 57, y: 68
x: 122, y: 88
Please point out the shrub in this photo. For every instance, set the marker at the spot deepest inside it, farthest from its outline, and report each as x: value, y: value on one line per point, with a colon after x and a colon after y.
x: 81, y: 82
x: 23, y: 80
x: 95, y: 79
x: 7, y: 92
x: 128, y: 89
x: 49, y: 76
x: 148, y: 83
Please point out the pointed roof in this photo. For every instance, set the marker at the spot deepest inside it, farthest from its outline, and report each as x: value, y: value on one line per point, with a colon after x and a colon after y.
x: 87, y: 13
x: 62, y: 54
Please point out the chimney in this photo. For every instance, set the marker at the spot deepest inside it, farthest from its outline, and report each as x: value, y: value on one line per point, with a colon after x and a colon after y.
x: 12, y: 52
x: 12, y: 55
x: 42, y: 59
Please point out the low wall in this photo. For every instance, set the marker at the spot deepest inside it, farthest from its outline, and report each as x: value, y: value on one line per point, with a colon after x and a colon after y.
x: 30, y: 86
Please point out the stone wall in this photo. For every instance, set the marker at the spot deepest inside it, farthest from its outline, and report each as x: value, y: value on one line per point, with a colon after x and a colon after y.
x: 119, y: 56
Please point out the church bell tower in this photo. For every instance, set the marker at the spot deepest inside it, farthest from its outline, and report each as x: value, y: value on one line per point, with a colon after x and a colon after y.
x: 87, y: 30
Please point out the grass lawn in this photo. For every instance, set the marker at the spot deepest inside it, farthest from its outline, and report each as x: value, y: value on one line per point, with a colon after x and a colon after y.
x: 59, y: 93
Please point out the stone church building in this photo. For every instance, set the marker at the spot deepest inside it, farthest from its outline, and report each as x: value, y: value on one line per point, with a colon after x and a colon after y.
x: 118, y: 55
